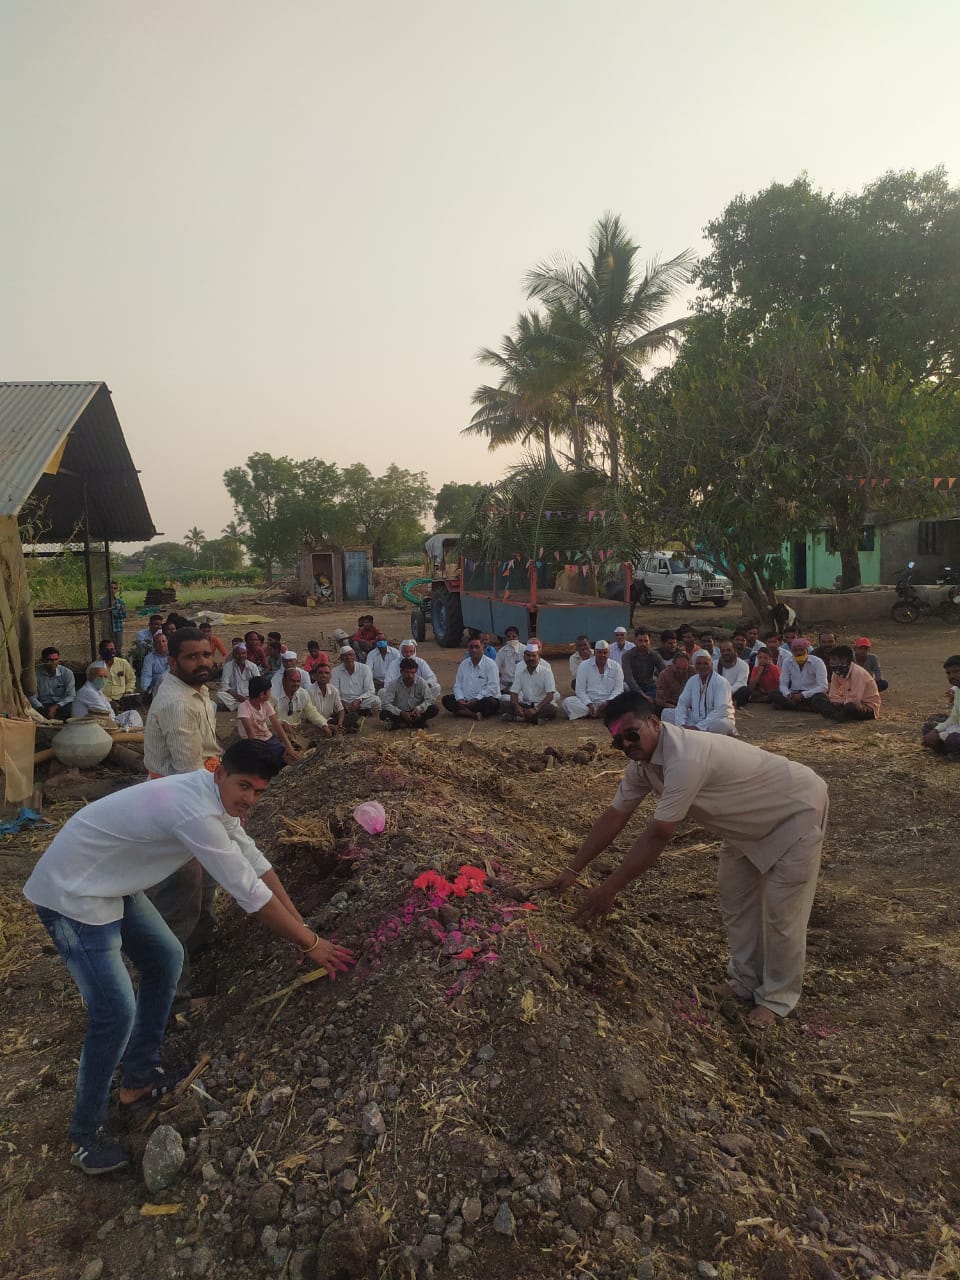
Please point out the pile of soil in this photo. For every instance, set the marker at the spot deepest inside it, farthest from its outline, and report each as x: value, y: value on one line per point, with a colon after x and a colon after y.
x: 493, y: 1092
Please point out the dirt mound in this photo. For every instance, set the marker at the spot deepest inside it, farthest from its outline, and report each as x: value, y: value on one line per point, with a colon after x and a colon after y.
x: 495, y: 1093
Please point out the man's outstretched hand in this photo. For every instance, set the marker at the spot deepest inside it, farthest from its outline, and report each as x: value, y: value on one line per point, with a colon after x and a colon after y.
x: 595, y: 906
x: 559, y: 886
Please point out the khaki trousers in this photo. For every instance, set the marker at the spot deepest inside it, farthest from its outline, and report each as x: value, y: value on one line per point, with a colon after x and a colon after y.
x: 766, y: 915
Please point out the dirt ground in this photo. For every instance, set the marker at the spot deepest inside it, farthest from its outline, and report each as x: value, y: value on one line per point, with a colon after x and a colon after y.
x: 495, y: 1093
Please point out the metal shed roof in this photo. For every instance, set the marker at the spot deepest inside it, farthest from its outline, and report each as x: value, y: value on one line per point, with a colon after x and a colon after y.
x: 59, y: 438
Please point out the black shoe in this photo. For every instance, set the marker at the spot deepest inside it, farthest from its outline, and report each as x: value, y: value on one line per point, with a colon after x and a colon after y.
x: 98, y: 1153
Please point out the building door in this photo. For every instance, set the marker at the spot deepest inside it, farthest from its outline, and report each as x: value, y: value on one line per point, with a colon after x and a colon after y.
x: 799, y: 558
x: 356, y: 585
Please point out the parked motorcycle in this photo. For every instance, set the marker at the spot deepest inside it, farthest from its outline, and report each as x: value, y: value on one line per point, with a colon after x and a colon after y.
x: 913, y: 605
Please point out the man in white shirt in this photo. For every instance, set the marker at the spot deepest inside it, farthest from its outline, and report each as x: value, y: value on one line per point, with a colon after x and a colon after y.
x: 706, y: 704
x: 583, y: 651
x: 296, y: 709
x: 90, y: 699
x: 772, y: 815
x: 380, y: 659
x: 408, y: 649
x: 88, y: 889
x: 289, y: 661
x: 534, y: 694
x: 325, y: 697
x: 235, y: 678
x: 155, y: 665
x: 736, y: 671
x: 803, y: 681
x: 598, y: 680
x: 476, y: 690
x: 621, y: 645
x: 509, y: 657
x: 353, y: 680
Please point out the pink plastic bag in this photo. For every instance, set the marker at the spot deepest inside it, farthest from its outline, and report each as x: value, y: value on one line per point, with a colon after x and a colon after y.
x: 371, y: 816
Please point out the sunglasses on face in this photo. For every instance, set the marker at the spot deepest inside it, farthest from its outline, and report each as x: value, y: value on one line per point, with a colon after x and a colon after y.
x: 625, y: 738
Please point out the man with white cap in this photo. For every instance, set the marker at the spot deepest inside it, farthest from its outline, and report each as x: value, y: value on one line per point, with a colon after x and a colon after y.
x: 235, y: 678
x: 533, y: 696
x: 621, y: 645
x: 509, y: 658
x: 353, y: 680
x: 598, y: 680
x: 408, y: 649
x: 380, y: 660
x: 706, y: 703
x: 90, y: 701
x: 803, y: 681
x: 289, y: 662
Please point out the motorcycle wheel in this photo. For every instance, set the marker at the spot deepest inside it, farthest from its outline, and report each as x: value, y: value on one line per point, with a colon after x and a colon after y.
x: 903, y: 612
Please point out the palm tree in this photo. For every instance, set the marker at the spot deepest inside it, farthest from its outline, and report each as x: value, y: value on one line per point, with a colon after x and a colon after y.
x: 195, y: 538
x: 232, y: 531
x: 612, y: 306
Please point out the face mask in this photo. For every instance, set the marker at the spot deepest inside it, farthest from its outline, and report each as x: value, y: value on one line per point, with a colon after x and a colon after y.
x: 799, y: 659
x: 844, y: 670
x: 98, y: 682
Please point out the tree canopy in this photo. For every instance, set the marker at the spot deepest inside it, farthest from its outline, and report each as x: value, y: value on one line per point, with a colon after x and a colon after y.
x: 455, y: 503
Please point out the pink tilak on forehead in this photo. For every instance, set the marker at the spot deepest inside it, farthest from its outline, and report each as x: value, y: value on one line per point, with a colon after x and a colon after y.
x: 615, y: 727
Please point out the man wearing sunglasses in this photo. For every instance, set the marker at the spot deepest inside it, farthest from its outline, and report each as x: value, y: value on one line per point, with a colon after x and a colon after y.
x: 771, y: 813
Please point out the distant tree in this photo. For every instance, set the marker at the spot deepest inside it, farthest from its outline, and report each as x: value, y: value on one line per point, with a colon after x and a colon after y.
x: 385, y: 511
x: 220, y: 554
x: 280, y: 502
x: 194, y: 538
x: 454, y: 503
x: 166, y: 557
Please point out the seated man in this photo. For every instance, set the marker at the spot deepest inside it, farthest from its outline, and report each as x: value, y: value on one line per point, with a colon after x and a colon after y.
x: 764, y: 678
x: 365, y: 637
x: 315, y: 656
x: 752, y: 632
x: 707, y: 644
x: 864, y: 658
x: 257, y: 720
x: 88, y: 890
x: 534, y: 694
x: 289, y: 662
x: 217, y: 645
x: 121, y: 685
x: 621, y: 645
x: 853, y: 692
x: 598, y: 680
x: 706, y: 703
x: 408, y: 649
x: 144, y: 638
x: 826, y: 643
x: 668, y: 645
x: 255, y: 650
x: 325, y: 697
x: 642, y: 665
x: 672, y: 681
x: 90, y: 699
x: 779, y: 651
x: 296, y: 710
x: 944, y: 736
x: 408, y: 701
x: 155, y: 666
x: 583, y: 651
x: 509, y: 657
x: 273, y: 652
x: 742, y: 649
x: 235, y: 678
x: 476, y: 690
x: 687, y: 640
x: 380, y: 659
x: 353, y: 680
x: 56, y: 687
x: 736, y: 671
x: 803, y: 681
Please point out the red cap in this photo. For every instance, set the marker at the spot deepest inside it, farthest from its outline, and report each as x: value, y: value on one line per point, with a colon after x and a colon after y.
x: 862, y: 643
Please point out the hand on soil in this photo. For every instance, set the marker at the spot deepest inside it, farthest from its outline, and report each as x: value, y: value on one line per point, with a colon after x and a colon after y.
x: 332, y: 958
x: 595, y: 906
x: 557, y: 887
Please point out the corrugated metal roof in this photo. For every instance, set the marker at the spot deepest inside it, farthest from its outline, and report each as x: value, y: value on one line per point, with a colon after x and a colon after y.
x: 71, y: 428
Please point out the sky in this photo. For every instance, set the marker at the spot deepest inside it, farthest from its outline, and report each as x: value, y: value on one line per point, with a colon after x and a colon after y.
x: 289, y: 227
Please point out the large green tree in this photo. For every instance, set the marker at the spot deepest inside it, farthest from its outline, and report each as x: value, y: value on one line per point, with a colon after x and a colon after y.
x: 873, y: 282
x: 279, y: 502
x: 610, y: 305
x: 385, y: 511
x: 454, y: 504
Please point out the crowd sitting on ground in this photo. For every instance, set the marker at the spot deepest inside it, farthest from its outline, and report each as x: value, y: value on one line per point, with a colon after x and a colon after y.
x: 694, y: 680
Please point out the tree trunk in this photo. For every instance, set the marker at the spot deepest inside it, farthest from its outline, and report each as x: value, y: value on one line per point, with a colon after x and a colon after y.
x: 16, y: 623
x: 547, y: 445
x: 613, y: 442
x: 576, y: 433
x: 848, y: 516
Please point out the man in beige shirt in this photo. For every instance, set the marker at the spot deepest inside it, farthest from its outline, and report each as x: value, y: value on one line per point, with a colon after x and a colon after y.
x: 180, y: 736
x: 772, y: 813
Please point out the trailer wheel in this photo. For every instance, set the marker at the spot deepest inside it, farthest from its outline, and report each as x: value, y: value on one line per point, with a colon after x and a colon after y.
x: 447, y: 618
x: 418, y: 626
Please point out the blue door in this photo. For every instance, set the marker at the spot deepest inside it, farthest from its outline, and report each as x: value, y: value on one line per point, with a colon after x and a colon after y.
x: 355, y: 581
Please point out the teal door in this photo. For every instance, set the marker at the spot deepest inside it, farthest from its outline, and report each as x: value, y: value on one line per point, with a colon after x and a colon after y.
x: 356, y: 584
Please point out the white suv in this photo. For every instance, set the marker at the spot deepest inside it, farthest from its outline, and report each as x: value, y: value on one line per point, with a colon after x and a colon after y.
x: 681, y: 579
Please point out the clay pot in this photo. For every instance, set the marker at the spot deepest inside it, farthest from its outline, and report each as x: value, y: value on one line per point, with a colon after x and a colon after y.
x: 81, y: 744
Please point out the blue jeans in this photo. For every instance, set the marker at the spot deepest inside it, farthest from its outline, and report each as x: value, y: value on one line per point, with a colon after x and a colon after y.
x: 120, y: 1025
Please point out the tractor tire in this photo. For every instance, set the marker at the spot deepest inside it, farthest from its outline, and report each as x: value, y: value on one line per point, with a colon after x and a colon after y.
x: 644, y: 596
x: 680, y: 598
x: 447, y: 618
x: 721, y: 604
x: 418, y: 626
x: 903, y: 612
